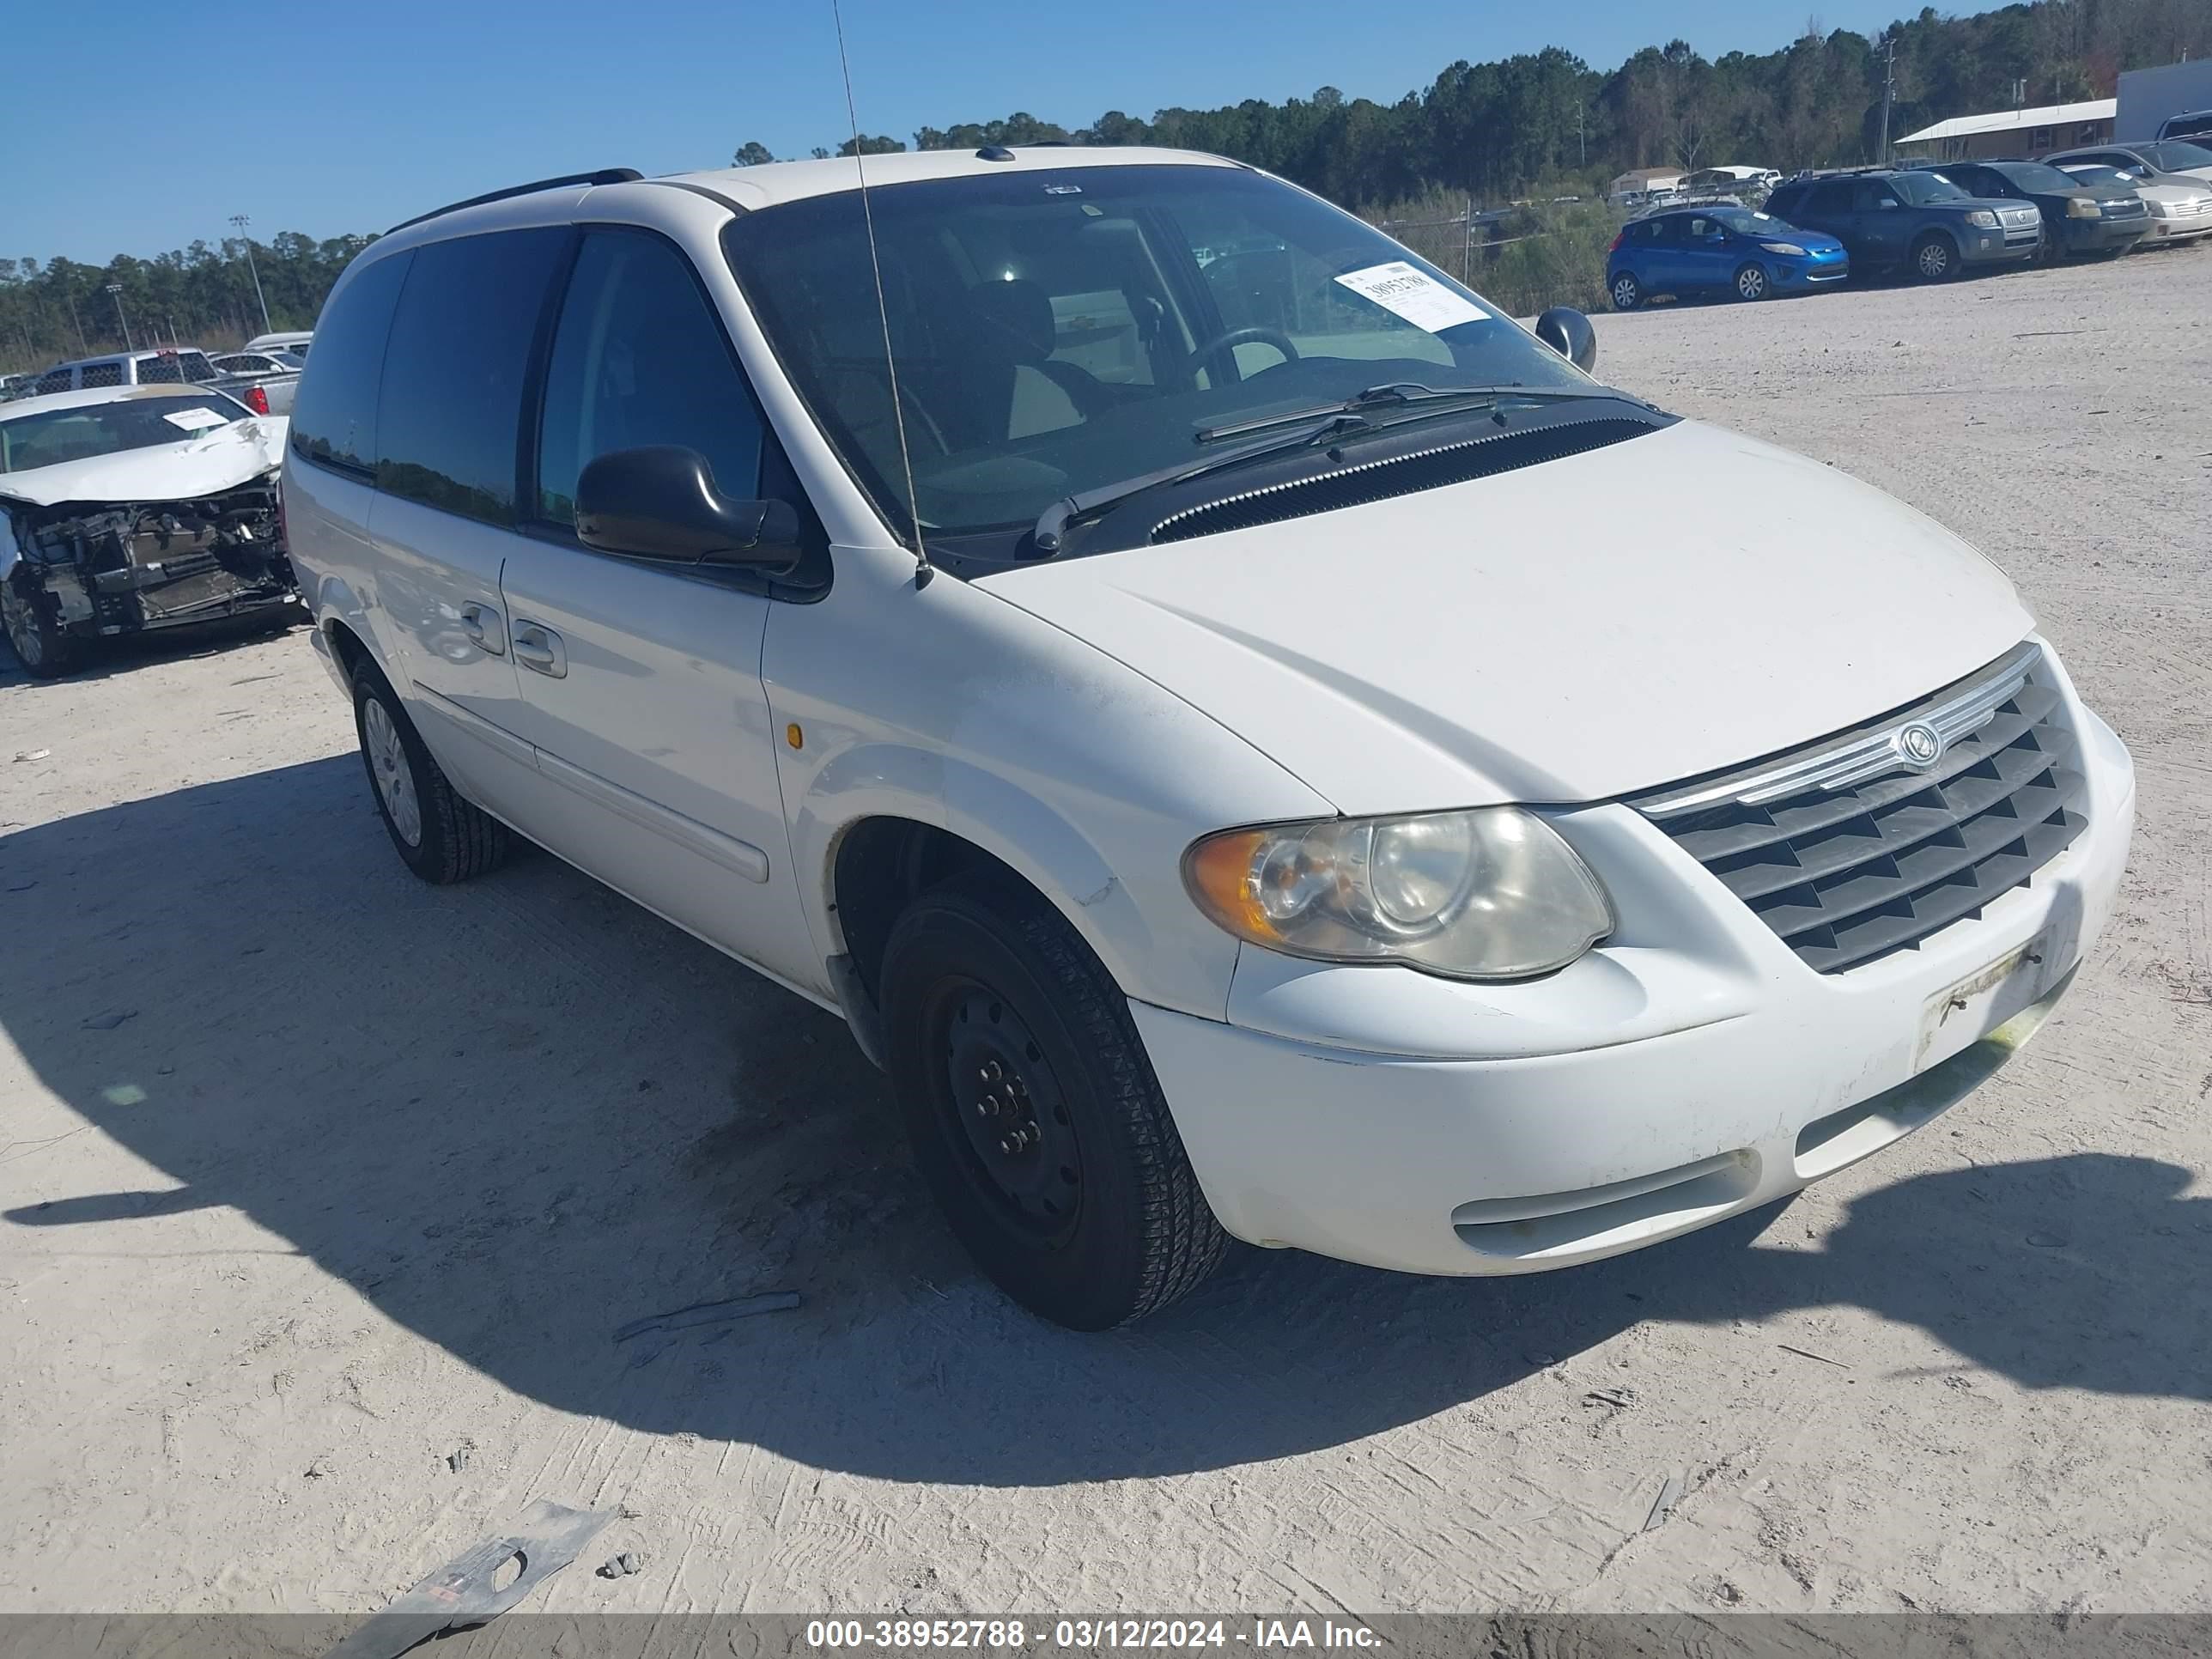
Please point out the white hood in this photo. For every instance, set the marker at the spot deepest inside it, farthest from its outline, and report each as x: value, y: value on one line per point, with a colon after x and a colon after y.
x: 224, y: 457
x: 1569, y: 632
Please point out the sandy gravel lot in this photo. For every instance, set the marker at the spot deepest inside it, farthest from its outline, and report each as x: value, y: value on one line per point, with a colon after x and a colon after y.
x: 371, y: 1173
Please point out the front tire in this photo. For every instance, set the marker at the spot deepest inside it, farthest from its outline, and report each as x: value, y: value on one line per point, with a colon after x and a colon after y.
x: 1934, y: 259
x: 27, y: 617
x: 1751, y: 282
x: 1627, y: 293
x: 437, y: 834
x: 1034, y: 1113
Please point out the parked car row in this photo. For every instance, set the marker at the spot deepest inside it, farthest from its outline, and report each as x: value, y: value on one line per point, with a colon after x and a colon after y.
x: 1928, y: 219
x: 265, y: 376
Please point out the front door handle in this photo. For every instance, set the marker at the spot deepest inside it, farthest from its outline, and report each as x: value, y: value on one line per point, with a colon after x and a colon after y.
x: 538, y: 647
x: 484, y: 629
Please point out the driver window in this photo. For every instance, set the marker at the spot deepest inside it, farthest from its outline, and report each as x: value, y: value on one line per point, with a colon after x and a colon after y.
x: 639, y: 359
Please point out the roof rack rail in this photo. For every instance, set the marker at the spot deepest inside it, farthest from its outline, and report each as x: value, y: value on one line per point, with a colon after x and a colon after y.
x: 604, y: 176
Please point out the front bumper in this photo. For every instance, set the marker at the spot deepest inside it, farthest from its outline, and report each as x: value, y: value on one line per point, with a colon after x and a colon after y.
x: 1796, y: 275
x: 1999, y: 247
x: 1692, y: 1068
x: 2104, y: 235
x: 2180, y: 230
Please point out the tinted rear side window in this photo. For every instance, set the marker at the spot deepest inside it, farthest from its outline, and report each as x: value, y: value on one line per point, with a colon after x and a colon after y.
x: 334, y: 419
x: 451, y: 408
x: 95, y: 374
x: 159, y: 371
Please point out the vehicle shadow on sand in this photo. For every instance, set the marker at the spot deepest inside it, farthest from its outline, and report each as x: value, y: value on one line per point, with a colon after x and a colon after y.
x: 518, y: 1113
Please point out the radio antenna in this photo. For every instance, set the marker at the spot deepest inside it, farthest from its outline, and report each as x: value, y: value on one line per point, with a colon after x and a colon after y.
x: 923, y: 570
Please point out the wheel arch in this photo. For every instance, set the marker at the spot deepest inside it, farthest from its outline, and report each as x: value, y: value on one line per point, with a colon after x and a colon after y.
x: 881, y: 824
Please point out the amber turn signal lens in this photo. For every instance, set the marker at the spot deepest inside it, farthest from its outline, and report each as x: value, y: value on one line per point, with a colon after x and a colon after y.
x: 1219, y: 874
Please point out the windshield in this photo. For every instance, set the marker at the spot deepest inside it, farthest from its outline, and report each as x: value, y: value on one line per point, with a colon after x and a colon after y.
x: 1750, y: 223
x: 55, y: 435
x: 2034, y: 176
x: 1922, y: 188
x: 2174, y: 156
x: 1054, y: 331
x: 2102, y: 178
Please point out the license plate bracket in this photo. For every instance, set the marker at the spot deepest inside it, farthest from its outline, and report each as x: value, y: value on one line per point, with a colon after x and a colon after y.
x: 1969, y: 1010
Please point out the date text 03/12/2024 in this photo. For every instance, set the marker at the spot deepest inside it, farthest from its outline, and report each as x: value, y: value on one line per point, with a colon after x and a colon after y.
x: 1087, y: 1635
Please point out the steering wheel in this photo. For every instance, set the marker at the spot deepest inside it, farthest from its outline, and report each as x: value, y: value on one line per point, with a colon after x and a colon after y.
x: 1237, y: 337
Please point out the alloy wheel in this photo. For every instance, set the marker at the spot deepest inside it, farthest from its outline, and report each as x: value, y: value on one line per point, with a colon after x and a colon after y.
x: 1751, y: 282
x: 22, y: 627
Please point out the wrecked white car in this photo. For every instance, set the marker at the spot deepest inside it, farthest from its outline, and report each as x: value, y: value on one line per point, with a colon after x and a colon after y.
x: 126, y: 509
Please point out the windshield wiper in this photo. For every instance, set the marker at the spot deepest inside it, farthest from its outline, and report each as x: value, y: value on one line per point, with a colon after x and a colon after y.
x: 1338, y: 422
x: 1394, y: 395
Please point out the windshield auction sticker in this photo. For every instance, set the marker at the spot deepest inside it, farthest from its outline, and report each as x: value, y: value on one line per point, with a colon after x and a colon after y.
x: 195, y: 420
x: 1413, y: 294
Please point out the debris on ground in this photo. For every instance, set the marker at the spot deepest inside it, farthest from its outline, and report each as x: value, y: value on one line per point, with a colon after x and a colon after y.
x: 624, y: 1566
x: 1670, y: 1493
x: 460, y: 1593
x: 711, y: 1313
x: 1619, y: 1398
x: 35, y: 754
x: 110, y: 1020
x: 1806, y: 1353
x: 457, y: 1459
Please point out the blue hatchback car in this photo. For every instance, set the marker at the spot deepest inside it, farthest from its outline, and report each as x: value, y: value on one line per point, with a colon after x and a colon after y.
x: 1734, y: 250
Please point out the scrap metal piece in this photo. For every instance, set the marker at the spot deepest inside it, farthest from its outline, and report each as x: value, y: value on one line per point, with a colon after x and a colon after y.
x: 459, y: 1595
x: 711, y: 1313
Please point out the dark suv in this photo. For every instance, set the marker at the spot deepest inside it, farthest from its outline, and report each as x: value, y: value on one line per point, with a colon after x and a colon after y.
x: 2076, y: 219
x: 1910, y: 220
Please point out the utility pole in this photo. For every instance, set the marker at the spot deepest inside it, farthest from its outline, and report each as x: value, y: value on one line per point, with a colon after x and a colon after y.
x: 82, y: 350
x: 241, y: 220
x: 1581, y: 140
x: 1888, y: 90
x: 116, y: 290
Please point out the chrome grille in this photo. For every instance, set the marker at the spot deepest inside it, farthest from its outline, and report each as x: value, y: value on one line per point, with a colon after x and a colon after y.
x: 1850, y: 852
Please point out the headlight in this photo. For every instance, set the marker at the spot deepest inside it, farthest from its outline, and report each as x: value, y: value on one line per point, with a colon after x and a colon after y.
x: 1982, y: 219
x: 1784, y: 247
x: 2080, y: 207
x: 2157, y: 208
x: 1488, y: 894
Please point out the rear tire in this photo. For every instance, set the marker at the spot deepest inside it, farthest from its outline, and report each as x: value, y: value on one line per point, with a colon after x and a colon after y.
x: 1751, y: 282
x: 1033, y: 1110
x: 26, y: 616
x: 1934, y: 258
x: 437, y: 834
x: 1627, y: 293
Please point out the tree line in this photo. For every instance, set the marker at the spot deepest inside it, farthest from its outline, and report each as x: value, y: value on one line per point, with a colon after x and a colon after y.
x: 1493, y: 131
x: 1487, y: 132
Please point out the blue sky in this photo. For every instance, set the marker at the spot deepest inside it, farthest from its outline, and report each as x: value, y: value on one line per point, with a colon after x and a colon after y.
x: 328, y: 118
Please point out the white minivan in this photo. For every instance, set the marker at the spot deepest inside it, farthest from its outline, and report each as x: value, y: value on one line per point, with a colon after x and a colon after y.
x: 1235, y: 725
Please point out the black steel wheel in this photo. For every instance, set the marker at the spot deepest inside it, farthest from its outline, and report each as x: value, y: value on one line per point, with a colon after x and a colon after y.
x: 1034, y: 1113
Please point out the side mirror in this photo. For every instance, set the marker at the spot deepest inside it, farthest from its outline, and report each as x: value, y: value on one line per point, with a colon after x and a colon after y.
x: 662, y: 503
x: 1568, y: 332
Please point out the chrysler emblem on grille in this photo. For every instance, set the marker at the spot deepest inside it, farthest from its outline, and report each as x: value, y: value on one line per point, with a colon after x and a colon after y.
x: 1917, y: 745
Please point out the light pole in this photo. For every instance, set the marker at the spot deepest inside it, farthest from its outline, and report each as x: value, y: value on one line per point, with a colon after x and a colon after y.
x: 1888, y: 44
x: 241, y: 220
x: 116, y: 290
